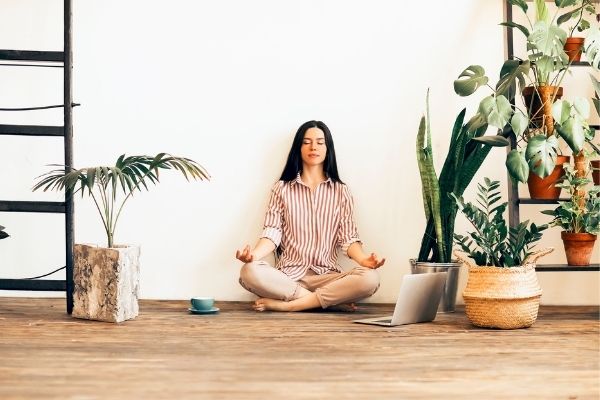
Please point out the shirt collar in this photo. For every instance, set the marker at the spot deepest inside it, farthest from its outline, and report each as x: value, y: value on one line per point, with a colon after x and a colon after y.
x: 299, y: 180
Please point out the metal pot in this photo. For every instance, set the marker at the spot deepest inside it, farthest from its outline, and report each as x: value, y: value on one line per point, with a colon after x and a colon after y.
x: 448, y: 302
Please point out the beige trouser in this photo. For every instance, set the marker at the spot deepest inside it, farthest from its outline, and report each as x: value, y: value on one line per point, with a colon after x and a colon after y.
x: 333, y: 288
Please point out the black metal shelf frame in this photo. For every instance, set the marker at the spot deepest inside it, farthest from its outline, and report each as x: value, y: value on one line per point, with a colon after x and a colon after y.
x: 63, y: 59
x: 514, y: 201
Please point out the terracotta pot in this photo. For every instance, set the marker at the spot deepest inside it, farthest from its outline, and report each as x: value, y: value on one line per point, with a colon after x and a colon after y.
x: 573, y: 47
x: 578, y: 247
x: 544, y: 188
x: 540, y: 110
x: 596, y: 171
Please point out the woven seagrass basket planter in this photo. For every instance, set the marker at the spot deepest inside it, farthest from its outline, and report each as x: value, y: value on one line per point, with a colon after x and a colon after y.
x: 503, y: 298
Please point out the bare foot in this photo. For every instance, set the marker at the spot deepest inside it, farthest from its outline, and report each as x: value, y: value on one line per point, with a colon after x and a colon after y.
x: 270, y: 304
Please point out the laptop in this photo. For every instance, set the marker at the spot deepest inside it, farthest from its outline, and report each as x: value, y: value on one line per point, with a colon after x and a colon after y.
x: 418, y: 300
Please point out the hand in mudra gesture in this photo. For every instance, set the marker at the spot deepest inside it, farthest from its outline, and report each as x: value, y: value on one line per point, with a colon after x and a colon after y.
x: 372, y: 261
x: 245, y: 255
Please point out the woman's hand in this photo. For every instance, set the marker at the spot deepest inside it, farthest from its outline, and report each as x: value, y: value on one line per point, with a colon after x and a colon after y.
x: 372, y: 261
x: 245, y: 255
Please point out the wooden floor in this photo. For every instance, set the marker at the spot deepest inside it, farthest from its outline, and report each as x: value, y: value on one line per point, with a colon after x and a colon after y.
x: 239, y: 354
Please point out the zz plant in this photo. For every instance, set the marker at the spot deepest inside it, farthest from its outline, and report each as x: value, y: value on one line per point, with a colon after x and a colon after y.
x: 129, y: 174
x: 493, y: 243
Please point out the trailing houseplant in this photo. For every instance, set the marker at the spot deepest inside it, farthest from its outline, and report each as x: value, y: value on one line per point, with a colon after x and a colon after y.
x: 106, y: 280
x: 576, y: 17
x: 502, y: 289
x: 579, y: 217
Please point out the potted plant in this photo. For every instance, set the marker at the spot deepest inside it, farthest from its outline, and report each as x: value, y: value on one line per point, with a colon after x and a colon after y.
x: 575, y: 16
x: 106, y: 279
x: 579, y: 217
x: 535, y: 159
x: 502, y: 289
x: 3, y: 234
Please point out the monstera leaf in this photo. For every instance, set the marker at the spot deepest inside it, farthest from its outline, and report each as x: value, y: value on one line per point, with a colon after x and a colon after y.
x: 541, y: 154
x: 474, y: 78
x: 496, y: 110
x: 548, y: 39
x: 591, y: 47
x: 519, y: 122
x: 511, y: 70
x: 573, y: 132
x: 596, y: 99
x: 517, y: 166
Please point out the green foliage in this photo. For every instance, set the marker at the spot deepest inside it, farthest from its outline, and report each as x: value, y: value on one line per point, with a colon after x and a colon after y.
x: 493, y: 243
x: 3, y: 234
x: 129, y: 174
x: 576, y: 14
x: 581, y: 213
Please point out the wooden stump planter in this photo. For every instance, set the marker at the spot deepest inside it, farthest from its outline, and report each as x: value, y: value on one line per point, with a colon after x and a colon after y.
x: 503, y: 298
x: 106, y: 282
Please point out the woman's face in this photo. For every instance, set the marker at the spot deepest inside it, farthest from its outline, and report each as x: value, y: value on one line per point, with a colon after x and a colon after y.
x: 313, y: 149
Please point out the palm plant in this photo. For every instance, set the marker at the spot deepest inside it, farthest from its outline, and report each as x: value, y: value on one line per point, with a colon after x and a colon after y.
x: 104, y: 182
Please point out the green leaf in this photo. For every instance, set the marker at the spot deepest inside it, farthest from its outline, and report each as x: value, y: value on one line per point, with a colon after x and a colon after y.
x: 591, y: 48
x: 519, y: 122
x: 474, y: 78
x: 582, y: 107
x: 541, y: 11
x: 541, y: 153
x: 520, y: 3
x: 561, y: 111
x: 512, y: 70
x: 548, y: 39
x: 566, y: 16
x: 495, y: 141
x: 572, y: 132
x: 517, y: 166
x: 518, y: 26
x: 496, y: 110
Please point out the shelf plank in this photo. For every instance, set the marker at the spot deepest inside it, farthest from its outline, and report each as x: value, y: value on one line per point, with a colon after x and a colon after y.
x: 29, y: 55
x: 565, y: 267
x: 32, y: 130
x: 32, y: 206
x: 541, y: 201
x: 43, y: 285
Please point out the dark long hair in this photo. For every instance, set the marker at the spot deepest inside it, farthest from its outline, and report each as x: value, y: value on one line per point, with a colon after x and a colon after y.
x: 293, y: 164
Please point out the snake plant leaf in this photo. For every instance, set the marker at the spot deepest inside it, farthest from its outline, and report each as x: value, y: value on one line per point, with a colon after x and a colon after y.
x: 548, y: 39
x: 474, y: 78
x: 591, y: 48
x: 519, y: 122
x: 495, y: 141
x: 511, y: 70
x: 520, y: 3
x: 573, y: 133
x: 561, y: 111
x: 518, y: 26
x: 517, y: 166
x: 541, y: 152
x: 496, y: 110
x: 582, y: 107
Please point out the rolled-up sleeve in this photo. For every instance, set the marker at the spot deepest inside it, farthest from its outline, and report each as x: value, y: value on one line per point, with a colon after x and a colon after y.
x: 347, y: 232
x: 273, y: 217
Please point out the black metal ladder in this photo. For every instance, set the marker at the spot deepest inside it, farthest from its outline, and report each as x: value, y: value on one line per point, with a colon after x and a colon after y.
x: 62, y: 59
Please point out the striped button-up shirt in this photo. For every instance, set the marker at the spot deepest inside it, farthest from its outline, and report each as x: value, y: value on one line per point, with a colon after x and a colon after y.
x: 309, y: 226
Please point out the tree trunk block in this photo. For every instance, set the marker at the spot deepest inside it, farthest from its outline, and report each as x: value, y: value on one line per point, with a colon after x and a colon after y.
x: 106, y: 282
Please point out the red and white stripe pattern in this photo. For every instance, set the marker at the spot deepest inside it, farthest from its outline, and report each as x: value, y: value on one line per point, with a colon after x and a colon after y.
x: 309, y: 226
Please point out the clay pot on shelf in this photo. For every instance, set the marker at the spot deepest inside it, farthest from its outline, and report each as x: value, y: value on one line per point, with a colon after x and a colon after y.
x: 595, y: 171
x: 573, y: 47
x: 578, y: 247
x: 543, y: 188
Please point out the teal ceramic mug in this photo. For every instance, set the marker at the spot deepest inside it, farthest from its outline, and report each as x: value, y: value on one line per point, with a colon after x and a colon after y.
x: 202, y: 303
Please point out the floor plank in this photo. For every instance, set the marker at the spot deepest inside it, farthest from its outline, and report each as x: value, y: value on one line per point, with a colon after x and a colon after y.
x: 239, y: 354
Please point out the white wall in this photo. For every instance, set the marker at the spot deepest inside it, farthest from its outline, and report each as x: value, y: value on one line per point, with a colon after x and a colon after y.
x: 227, y: 83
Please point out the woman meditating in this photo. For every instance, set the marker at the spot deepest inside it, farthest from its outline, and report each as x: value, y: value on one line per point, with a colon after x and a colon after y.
x: 310, y: 214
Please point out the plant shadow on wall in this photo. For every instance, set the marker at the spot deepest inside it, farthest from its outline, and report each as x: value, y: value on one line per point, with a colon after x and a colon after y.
x: 539, y: 128
x: 106, y: 280
x: 502, y: 290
